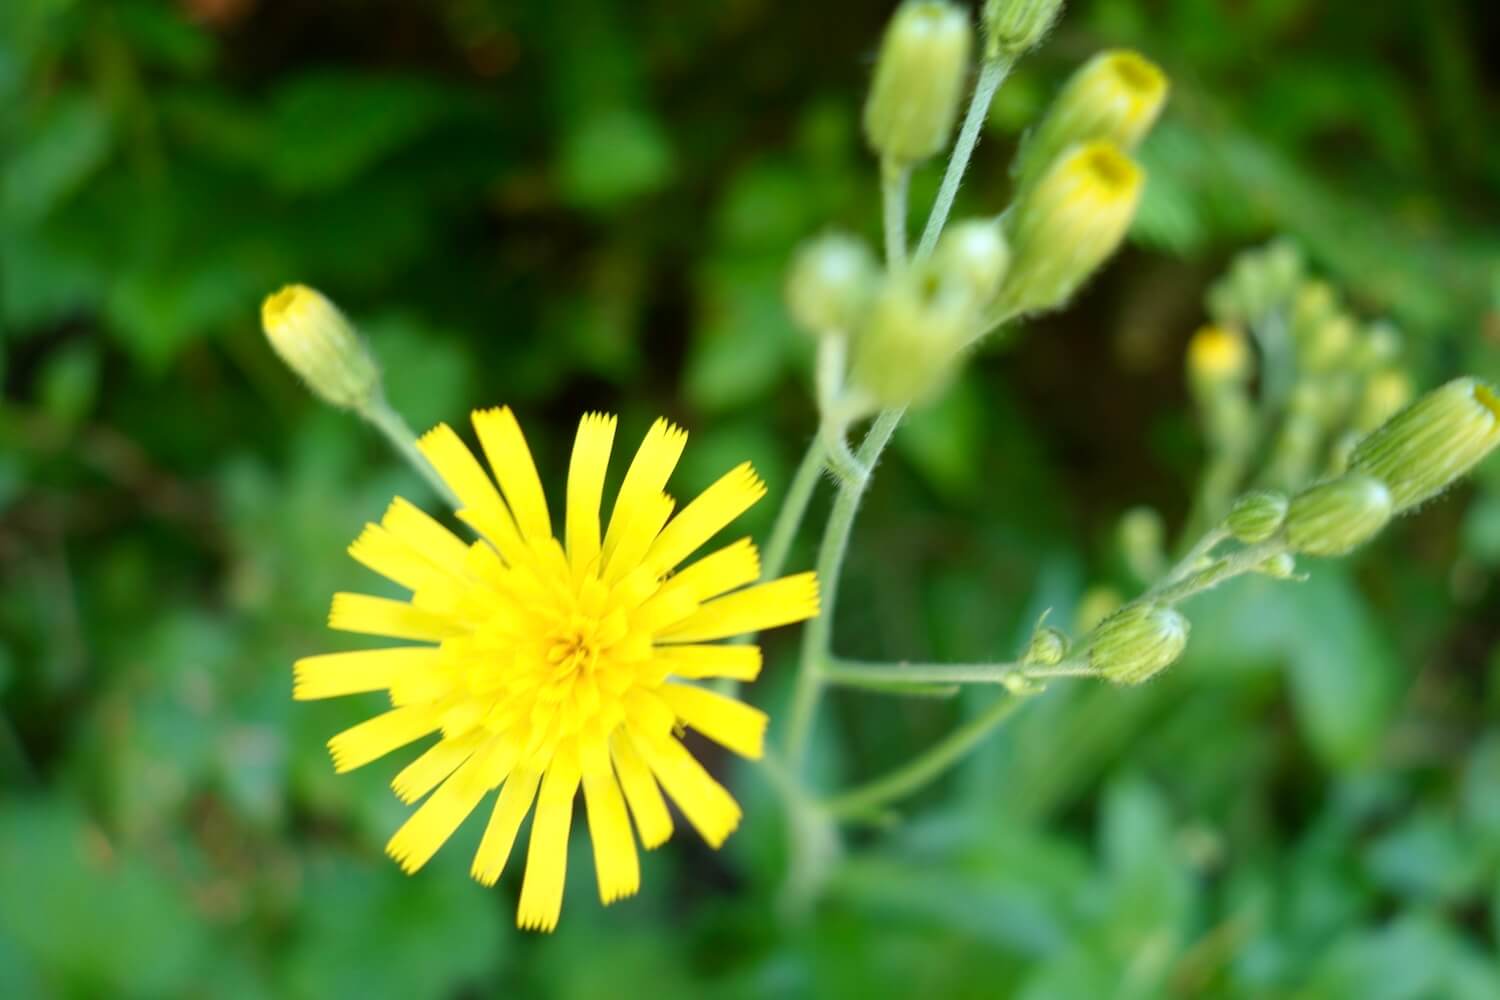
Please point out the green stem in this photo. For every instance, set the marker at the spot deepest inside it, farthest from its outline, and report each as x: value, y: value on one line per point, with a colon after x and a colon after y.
x: 388, y: 422
x: 869, y: 798
x: 991, y: 75
x: 818, y: 635
x: 859, y: 673
x: 1227, y: 568
x: 793, y: 508
x: 894, y: 178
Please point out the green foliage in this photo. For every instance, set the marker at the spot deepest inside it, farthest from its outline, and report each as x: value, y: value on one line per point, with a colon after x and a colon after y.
x: 589, y: 205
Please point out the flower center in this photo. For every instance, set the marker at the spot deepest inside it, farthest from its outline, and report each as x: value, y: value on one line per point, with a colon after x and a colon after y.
x: 572, y: 651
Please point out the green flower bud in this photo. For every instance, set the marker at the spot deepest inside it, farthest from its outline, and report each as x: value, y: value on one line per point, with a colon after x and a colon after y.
x: 1282, y: 566
x: 1283, y: 266
x: 1338, y: 516
x: 1328, y: 344
x: 1385, y: 393
x: 919, y: 81
x: 1143, y: 542
x: 1256, y: 516
x: 1313, y: 303
x: 1014, y: 27
x: 1047, y: 648
x: 1096, y: 604
x: 1380, y: 346
x: 1114, y: 97
x: 831, y: 281
x: 1138, y: 642
x: 975, y: 252
x: 1423, y: 449
x: 917, y: 327
x: 1068, y: 223
x: 314, y: 339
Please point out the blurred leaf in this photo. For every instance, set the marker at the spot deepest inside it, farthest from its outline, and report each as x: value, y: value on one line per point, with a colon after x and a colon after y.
x: 57, y: 150
x: 614, y: 156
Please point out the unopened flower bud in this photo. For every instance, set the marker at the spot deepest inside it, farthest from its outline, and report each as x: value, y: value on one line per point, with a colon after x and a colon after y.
x: 917, y: 327
x: 1115, y: 97
x: 1380, y: 346
x: 1256, y: 516
x: 1423, y: 449
x: 1282, y: 566
x: 1096, y: 604
x: 314, y: 339
x: 1338, y: 516
x: 1384, y: 395
x: 1014, y: 27
x: 975, y: 252
x: 1143, y: 542
x: 1137, y: 642
x: 1328, y: 344
x: 830, y: 283
x: 1283, y: 266
x: 1047, y: 648
x: 1068, y: 223
x: 1314, y: 302
x: 919, y: 81
x: 1217, y: 355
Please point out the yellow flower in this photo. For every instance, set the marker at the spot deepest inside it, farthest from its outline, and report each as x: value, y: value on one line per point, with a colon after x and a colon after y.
x: 548, y: 665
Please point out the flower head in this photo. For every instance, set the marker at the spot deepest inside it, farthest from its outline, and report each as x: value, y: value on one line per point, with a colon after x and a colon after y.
x: 546, y: 665
x: 315, y: 340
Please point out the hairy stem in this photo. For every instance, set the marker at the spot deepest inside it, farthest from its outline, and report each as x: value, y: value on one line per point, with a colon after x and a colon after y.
x: 894, y: 178
x: 991, y: 75
x: 793, y: 507
x: 859, y: 673
x: 388, y: 422
x: 869, y: 798
x: 818, y: 634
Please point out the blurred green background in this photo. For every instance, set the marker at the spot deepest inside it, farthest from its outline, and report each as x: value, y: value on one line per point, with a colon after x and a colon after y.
x: 581, y: 204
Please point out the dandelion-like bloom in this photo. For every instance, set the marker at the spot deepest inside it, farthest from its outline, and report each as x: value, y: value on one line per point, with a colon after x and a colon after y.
x: 548, y: 665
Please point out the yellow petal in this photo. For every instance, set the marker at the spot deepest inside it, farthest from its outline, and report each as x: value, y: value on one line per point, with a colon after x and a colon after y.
x: 727, y: 721
x: 652, y: 821
x: 615, y: 861
x: 505, y: 447
x: 646, y: 477
x: 374, y: 738
x: 430, y: 826
x: 394, y: 559
x: 719, y: 572
x: 739, y: 663
x: 395, y: 619
x: 706, y: 804
x: 483, y: 510
x: 436, y: 763
x: 547, y: 857
x: 418, y: 529
x: 780, y: 602
x: 586, y: 469
x: 636, y: 537
x: 710, y: 512
x: 335, y: 674
x: 500, y: 835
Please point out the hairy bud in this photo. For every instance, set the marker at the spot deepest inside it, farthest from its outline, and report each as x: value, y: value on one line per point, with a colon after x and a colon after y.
x: 1256, y: 516
x: 1014, y: 27
x: 314, y: 339
x: 911, y: 341
x: 1138, y: 642
x: 1338, y: 516
x: 1426, y: 447
x: 975, y: 252
x: 831, y: 281
x: 919, y: 81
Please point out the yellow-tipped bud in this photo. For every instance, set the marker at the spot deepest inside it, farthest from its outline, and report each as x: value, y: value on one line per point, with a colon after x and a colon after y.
x: 1138, y: 642
x: 1426, y: 447
x: 1217, y: 355
x: 1338, y: 516
x: 918, y: 325
x: 919, y: 81
x: 1114, y: 97
x: 1328, y: 344
x: 1256, y: 516
x: 975, y: 252
x: 314, y: 339
x: 1068, y: 223
x: 831, y: 281
x: 1385, y: 393
x: 1014, y: 27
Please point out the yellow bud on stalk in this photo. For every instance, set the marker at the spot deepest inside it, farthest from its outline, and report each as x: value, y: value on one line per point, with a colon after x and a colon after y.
x: 919, y: 81
x: 1014, y: 27
x: 829, y: 286
x: 1115, y: 97
x: 314, y: 339
x: 1066, y: 225
x: 1338, y: 516
x: 1426, y: 447
x: 1384, y: 395
x: 1256, y: 516
x: 1138, y: 642
x: 917, y: 327
x: 975, y: 252
x: 1216, y: 355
